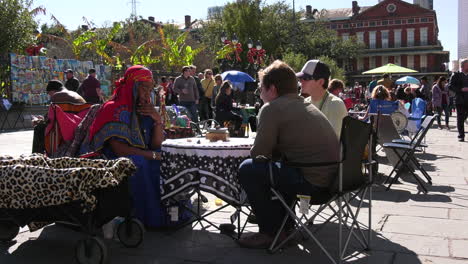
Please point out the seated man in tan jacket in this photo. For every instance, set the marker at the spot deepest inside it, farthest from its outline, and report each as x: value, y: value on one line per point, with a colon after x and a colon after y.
x: 288, y: 129
x: 59, y: 94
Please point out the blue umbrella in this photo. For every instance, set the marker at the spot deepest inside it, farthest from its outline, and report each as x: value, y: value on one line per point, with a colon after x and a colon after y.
x: 237, y: 77
x: 408, y: 79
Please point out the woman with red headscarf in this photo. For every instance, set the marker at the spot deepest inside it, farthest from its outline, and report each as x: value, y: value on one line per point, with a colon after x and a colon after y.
x: 129, y: 126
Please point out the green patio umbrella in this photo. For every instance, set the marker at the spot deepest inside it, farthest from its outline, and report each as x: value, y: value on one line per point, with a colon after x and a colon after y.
x: 389, y: 68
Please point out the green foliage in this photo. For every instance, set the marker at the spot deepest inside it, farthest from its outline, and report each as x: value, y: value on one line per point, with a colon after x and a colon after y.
x: 295, y: 60
x: 143, y: 55
x: 52, y: 30
x: 103, y: 41
x: 336, y: 71
x: 280, y: 32
x: 175, y: 53
x: 224, y: 51
x: 17, y: 20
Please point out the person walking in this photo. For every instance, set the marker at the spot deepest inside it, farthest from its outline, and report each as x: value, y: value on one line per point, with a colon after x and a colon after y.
x: 208, y: 84
x: 201, y: 93
x: 187, y: 89
x: 440, y: 101
x: 91, y: 88
x: 459, y: 84
x: 72, y: 83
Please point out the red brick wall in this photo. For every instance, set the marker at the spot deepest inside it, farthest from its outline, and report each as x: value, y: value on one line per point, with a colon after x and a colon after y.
x: 417, y: 64
x: 404, y: 60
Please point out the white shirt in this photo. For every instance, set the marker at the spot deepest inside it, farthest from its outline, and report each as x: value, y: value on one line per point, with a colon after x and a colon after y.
x: 334, y: 109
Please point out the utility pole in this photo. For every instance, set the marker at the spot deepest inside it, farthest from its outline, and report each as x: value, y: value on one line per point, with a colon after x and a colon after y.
x: 294, y: 14
x: 134, y: 10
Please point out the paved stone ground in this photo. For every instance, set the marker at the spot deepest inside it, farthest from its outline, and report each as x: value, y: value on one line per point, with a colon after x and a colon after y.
x: 410, y: 227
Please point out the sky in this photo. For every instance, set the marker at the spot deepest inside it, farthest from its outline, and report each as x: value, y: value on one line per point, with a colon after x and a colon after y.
x: 103, y: 12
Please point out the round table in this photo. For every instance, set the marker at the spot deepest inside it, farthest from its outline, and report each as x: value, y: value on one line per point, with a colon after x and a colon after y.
x: 198, y: 163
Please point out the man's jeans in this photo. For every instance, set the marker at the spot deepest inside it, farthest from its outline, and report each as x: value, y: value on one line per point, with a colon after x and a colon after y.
x: 254, y: 178
x: 462, y: 113
x: 191, y: 110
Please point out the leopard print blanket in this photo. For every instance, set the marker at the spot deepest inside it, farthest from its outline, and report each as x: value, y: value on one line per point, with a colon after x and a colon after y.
x: 36, y: 181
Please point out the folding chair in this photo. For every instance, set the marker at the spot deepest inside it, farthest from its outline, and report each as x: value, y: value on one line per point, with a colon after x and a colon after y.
x: 418, y: 111
x: 407, y: 157
x: 350, y: 183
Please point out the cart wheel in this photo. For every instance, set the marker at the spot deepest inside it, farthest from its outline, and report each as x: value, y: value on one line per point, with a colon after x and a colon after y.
x: 91, y: 251
x: 131, y: 232
x: 8, y: 231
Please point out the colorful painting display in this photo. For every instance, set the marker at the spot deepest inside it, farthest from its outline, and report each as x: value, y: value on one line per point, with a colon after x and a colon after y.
x: 30, y: 75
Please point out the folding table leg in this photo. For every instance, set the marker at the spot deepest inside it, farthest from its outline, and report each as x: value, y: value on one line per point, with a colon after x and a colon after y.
x: 5, y: 121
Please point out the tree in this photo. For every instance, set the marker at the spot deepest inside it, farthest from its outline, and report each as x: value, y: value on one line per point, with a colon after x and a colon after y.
x: 280, y: 32
x: 175, y: 52
x: 336, y: 71
x: 18, y: 25
x: 295, y: 60
x: 17, y: 33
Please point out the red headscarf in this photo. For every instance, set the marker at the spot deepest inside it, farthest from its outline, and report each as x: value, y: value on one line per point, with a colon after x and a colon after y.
x: 123, y: 98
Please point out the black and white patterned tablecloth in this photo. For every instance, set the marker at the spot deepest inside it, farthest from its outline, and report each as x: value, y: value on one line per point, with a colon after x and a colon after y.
x: 210, y: 166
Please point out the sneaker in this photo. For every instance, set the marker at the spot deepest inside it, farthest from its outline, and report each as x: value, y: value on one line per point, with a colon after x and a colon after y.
x: 461, y: 139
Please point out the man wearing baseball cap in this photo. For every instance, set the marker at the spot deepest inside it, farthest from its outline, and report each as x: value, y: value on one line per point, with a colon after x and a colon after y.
x: 314, y: 78
x: 72, y: 82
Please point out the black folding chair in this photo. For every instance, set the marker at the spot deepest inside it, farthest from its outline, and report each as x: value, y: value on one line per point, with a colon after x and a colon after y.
x: 405, y: 152
x: 349, y: 184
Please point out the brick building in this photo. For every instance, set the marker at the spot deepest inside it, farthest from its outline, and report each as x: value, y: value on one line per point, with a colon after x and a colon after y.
x: 393, y: 31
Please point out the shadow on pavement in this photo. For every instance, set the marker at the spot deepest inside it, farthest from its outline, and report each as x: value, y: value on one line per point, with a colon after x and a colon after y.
x: 56, y: 245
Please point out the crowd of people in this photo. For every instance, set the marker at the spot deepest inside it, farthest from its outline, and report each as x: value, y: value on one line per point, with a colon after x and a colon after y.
x: 128, y: 125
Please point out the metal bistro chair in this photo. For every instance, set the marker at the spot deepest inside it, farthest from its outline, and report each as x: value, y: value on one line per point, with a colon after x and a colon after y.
x: 407, y: 157
x: 349, y: 184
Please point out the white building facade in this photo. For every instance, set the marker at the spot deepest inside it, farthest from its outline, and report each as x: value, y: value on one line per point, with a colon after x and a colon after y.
x: 462, y: 29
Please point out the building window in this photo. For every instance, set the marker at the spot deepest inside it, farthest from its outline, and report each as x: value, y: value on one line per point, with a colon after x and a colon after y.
x: 360, y: 37
x: 385, y: 22
x: 372, y: 24
x: 359, y: 25
x: 397, y: 38
x: 397, y: 60
x: 333, y: 26
x: 372, y: 62
x: 398, y: 22
x: 416, y: 20
x: 345, y: 25
x: 345, y: 36
x: 372, y: 40
x: 360, y: 64
x: 411, y: 21
x: 384, y: 60
x: 423, y: 61
x: 410, y: 63
x: 423, y: 36
x: 424, y: 20
x: 410, y: 37
x: 384, y: 39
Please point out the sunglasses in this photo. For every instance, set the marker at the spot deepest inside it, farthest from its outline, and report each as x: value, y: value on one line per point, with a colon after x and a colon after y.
x: 305, y: 78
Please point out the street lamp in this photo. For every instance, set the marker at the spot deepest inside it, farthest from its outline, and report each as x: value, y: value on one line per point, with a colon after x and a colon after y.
x: 223, y: 38
x: 235, y: 40
x: 250, y: 43
x: 259, y: 45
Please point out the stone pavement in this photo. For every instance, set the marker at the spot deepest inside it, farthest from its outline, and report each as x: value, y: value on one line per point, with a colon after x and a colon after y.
x: 410, y: 227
